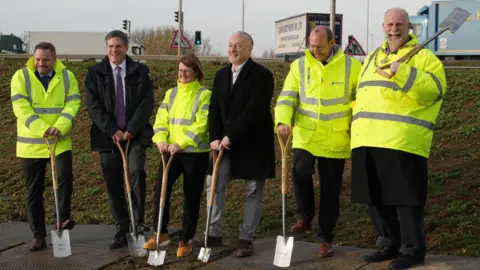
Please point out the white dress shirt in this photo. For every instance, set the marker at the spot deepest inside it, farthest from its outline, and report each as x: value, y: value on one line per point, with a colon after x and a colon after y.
x: 235, y: 73
x: 123, y: 67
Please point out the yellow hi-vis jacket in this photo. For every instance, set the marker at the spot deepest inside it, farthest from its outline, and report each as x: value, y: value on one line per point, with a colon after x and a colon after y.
x: 182, y: 118
x: 318, y: 97
x: 399, y: 113
x: 37, y: 110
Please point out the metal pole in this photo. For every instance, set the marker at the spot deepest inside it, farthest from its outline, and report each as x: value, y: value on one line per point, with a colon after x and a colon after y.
x: 332, y: 17
x: 243, y: 15
x: 368, y: 16
x: 180, y: 27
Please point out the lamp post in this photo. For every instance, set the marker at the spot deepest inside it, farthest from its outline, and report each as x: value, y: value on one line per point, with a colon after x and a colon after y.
x: 243, y: 15
x: 368, y: 11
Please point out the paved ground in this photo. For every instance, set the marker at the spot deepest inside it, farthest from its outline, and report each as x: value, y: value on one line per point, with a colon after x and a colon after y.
x: 89, y: 245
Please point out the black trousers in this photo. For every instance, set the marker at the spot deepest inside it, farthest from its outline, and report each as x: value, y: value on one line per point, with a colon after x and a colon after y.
x: 400, y: 228
x: 194, y: 167
x: 112, y: 169
x: 34, y: 170
x: 330, y: 171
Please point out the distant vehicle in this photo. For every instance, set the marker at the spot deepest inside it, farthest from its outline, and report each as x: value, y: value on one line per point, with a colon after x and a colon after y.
x: 84, y: 43
x: 11, y: 44
x: 291, y: 34
x: 464, y: 44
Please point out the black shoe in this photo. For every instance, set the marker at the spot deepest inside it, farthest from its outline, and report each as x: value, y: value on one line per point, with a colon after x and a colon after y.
x: 406, y: 261
x: 141, y: 227
x: 212, y: 241
x: 38, y: 243
x: 118, y: 241
x: 244, y: 248
x: 383, y: 254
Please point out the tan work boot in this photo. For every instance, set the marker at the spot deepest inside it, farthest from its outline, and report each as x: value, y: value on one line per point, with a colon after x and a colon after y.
x: 326, y: 250
x: 151, y: 244
x: 184, y: 249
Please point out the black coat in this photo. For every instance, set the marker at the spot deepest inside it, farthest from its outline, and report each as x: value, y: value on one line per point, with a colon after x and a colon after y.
x: 101, y: 103
x: 242, y: 112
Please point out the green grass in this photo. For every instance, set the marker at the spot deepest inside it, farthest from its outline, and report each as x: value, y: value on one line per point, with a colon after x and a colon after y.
x: 452, y: 212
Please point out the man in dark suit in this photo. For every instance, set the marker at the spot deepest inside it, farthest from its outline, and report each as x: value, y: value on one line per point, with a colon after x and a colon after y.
x: 120, y: 102
x: 241, y: 122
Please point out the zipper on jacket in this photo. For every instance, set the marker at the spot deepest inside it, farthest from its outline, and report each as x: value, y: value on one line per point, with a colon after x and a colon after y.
x: 308, y: 76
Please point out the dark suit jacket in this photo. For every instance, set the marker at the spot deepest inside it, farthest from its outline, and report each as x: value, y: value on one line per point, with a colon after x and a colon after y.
x: 242, y: 112
x: 101, y: 103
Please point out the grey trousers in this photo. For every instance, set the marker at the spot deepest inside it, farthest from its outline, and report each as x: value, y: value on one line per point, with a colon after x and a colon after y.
x: 253, y: 203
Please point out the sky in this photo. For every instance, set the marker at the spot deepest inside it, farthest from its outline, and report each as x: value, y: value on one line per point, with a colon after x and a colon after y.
x: 216, y: 19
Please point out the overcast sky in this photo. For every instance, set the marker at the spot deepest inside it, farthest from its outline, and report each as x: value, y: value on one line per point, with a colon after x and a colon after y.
x: 215, y: 18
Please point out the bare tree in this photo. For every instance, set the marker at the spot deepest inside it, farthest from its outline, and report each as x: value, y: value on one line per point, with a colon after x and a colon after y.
x: 158, y: 40
x: 269, y: 53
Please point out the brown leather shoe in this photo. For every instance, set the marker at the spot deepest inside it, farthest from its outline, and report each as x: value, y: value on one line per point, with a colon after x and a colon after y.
x: 38, y: 243
x: 326, y: 250
x: 301, y: 226
x: 244, y: 248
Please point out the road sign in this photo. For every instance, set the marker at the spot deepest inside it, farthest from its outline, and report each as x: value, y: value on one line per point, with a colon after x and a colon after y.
x: 354, y: 48
x: 185, y: 43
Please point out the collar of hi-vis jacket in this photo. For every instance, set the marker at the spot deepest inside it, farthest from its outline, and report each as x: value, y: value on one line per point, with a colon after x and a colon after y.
x: 58, y: 66
x: 335, y: 54
x: 189, y: 87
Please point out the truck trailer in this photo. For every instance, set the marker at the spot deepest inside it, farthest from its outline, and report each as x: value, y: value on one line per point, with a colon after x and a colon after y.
x: 462, y: 45
x: 86, y: 43
x: 291, y: 34
x: 11, y: 44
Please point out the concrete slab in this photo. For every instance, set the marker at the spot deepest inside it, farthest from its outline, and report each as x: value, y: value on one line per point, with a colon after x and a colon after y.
x: 305, y: 256
x: 89, y: 245
x: 436, y: 262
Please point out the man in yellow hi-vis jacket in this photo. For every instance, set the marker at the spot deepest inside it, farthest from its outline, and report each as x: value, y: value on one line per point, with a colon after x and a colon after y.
x: 317, y: 93
x: 45, y: 99
x: 392, y: 130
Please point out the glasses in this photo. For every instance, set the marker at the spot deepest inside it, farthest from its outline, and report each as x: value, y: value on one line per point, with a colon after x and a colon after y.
x: 188, y: 71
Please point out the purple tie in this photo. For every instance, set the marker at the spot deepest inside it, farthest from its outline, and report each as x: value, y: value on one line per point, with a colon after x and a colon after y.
x: 121, y: 122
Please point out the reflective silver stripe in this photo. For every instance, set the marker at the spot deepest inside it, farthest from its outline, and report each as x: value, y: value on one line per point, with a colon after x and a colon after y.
x: 47, y: 110
x: 66, y: 82
x: 285, y: 102
x: 66, y: 115
x: 38, y: 140
x: 172, y: 97
x: 396, y: 118
x: 333, y: 116
x: 439, y: 86
x: 72, y: 97
x: 180, y: 121
x: 197, y: 103
x: 370, y: 60
x: 411, y: 78
x: 344, y: 99
x: 164, y: 106
x: 18, y: 96
x: 303, y: 97
x: 387, y: 84
x: 202, y: 146
x: 194, y: 137
x: 324, y: 117
x: 157, y: 130
x: 31, y: 119
x: 28, y: 84
x: 205, y: 107
x: 289, y: 93
x: 307, y: 113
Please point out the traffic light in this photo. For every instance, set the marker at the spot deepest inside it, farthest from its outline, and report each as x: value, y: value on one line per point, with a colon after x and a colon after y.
x: 125, y: 24
x: 176, y: 16
x: 198, y: 37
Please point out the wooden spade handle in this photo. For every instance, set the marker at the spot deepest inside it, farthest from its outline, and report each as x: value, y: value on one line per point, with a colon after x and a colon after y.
x: 124, y: 154
x: 166, y: 168
x: 216, y: 166
x: 283, y: 149
x: 53, y: 161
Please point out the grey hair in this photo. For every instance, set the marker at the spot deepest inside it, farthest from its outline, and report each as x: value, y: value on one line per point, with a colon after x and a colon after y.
x: 120, y: 34
x: 401, y: 10
x: 247, y: 36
